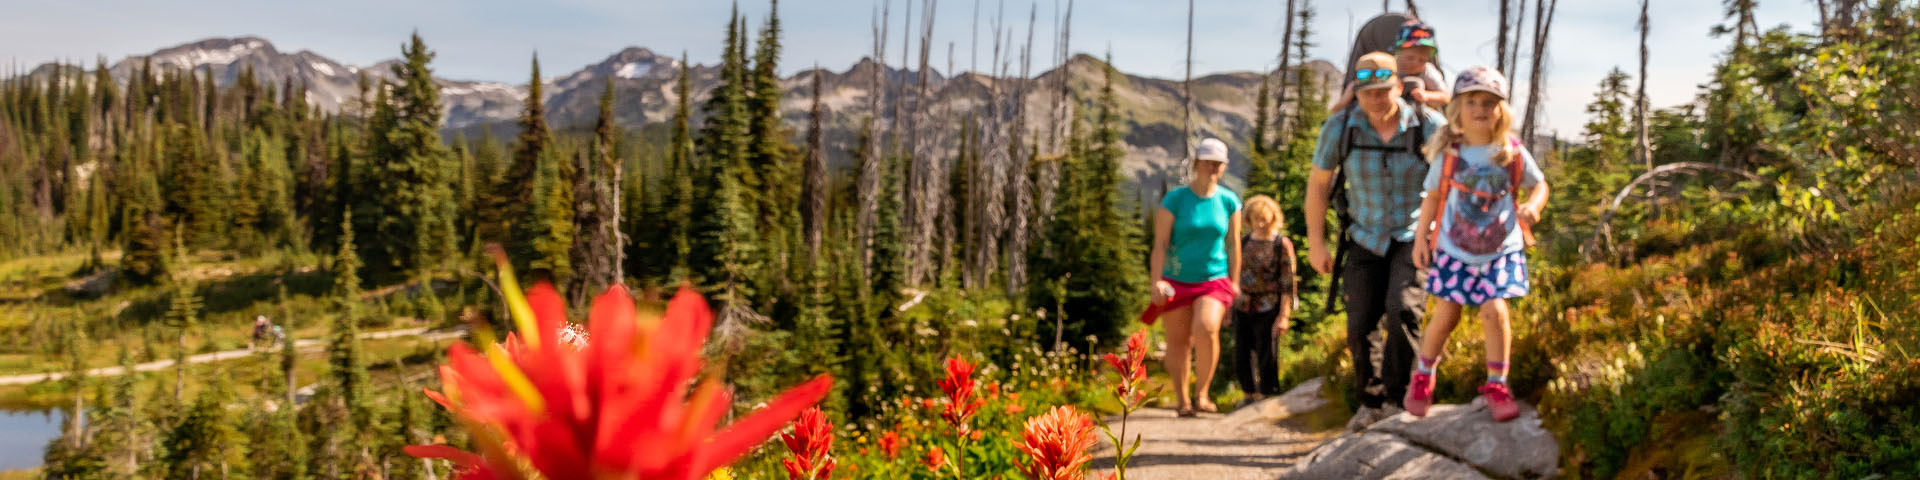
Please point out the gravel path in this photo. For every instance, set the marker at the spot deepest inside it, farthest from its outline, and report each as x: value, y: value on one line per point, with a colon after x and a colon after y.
x: 1210, y: 447
x: 303, y: 345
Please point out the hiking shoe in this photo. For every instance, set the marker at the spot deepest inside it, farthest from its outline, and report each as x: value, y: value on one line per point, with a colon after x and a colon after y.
x: 1362, y: 418
x: 1419, y: 394
x: 1500, y: 401
x: 1389, y: 411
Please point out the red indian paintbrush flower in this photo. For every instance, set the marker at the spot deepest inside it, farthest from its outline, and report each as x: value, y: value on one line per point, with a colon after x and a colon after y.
x: 1132, y: 369
x: 936, y: 459
x: 959, y: 388
x: 625, y: 405
x: 811, y: 443
x: 890, y: 444
x: 1057, y: 443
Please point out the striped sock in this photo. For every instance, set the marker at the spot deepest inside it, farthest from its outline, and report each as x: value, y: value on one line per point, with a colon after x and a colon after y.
x: 1427, y: 364
x: 1496, y: 372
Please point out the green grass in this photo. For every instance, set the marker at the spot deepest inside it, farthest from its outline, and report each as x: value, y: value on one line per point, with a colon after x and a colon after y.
x: 36, y: 310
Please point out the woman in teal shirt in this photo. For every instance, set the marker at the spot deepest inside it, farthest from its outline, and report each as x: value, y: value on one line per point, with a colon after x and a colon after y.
x: 1199, y: 272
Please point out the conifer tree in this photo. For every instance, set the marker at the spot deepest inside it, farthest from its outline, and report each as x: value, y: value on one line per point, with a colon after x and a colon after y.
x: 542, y: 228
x: 142, y: 216
x: 1260, y: 170
x: 680, y: 162
x: 413, y: 220
x: 205, y: 443
x: 1089, y: 231
x: 724, y: 238
x: 197, y: 192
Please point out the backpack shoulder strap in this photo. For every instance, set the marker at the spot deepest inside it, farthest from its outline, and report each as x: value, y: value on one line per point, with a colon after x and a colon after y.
x: 1447, y: 159
x: 1516, y: 173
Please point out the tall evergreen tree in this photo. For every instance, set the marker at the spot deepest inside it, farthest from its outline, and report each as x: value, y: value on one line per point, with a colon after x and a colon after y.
x: 539, y: 179
x: 724, y: 248
x: 197, y: 189
x: 412, y: 216
x: 1260, y: 158
x: 1089, y: 231
x: 142, y: 214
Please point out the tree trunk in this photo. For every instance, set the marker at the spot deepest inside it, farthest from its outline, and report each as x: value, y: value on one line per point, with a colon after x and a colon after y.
x: 816, y: 178
x: 1286, y: 59
x: 1186, y: 90
x: 1513, y: 50
x: 869, y: 185
x: 1643, y: 147
x: 927, y: 173
x: 1500, y: 43
x: 1542, y: 26
x: 1030, y: 220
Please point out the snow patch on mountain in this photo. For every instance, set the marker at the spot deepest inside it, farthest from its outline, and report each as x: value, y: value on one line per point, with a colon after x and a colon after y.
x: 633, y: 70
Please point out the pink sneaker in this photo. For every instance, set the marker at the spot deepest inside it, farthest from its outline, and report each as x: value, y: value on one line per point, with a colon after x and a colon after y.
x: 1419, y: 394
x: 1500, y: 401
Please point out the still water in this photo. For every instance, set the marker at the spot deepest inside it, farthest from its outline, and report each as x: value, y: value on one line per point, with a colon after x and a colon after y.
x: 24, y: 435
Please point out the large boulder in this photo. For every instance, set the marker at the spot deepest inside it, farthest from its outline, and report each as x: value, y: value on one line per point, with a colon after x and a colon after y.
x: 1301, y: 399
x: 1378, y: 456
x: 1519, y: 448
x: 1454, y: 441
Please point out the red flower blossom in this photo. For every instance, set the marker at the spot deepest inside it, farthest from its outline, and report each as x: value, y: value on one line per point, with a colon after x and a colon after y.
x: 935, y: 460
x: 1015, y: 409
x: 961, y: 404
x: 1057, y: 443
x: 1132, y: 369
x: 890, y: 444
x: 623, y: 406
x: 811, y: 443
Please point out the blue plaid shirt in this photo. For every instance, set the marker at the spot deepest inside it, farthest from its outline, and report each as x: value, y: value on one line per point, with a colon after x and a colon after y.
x: 1383, y: 194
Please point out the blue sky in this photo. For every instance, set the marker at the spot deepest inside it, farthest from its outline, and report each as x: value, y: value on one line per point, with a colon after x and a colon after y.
x: 490, y: 39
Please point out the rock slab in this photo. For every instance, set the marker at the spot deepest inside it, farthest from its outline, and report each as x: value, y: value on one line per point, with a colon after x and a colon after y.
x: 1453, y: 441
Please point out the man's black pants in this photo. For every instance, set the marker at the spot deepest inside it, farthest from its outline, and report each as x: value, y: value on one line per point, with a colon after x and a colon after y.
x: 1389, y: 286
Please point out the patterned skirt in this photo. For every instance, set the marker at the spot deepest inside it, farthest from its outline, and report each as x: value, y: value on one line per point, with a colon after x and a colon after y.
x: 1471, y: 285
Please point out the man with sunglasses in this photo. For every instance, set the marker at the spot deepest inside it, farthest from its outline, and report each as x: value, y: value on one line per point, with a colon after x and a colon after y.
x: 1383, y: 172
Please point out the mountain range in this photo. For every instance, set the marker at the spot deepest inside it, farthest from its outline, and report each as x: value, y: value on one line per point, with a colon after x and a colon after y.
x: 644, y: 84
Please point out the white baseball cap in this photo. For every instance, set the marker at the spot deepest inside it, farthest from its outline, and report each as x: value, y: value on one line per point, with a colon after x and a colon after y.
x: 1211, y: 149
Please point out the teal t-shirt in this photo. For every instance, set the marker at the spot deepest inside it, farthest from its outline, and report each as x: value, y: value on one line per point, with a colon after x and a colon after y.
x: 1197, y: 248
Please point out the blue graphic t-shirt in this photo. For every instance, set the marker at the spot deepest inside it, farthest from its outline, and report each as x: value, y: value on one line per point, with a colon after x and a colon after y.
x: 1197, y: 247
x: 1479, y: 228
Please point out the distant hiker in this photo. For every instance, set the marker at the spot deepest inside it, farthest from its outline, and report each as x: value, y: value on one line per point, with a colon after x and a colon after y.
x: 1414, y: 52
x: 1199, y: 271
x: 264, y: 332
x: 1375, y: 151
x: 1479, y: 253
x: 1264, y: 310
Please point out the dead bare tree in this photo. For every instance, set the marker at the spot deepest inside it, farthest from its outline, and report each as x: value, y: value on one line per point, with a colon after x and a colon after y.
x: 869, y: 184
x: 1186, y: 89
x: 1286, y: 59
x: 1500, y: 43
x: 1513, y: 50
x: 973, y: 64
x: 1542, y: 26
x: 1643, y: 147
x: 815, y: 216
x: 926, y: 174
x: 1020, y: 156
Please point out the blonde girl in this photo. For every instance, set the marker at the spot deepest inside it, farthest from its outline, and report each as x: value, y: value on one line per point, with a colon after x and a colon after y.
x: 1262, y: 313
x: 1478, y: 255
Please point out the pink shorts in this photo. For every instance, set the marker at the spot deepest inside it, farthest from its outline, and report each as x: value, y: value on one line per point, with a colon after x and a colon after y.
x: 1185, y: 293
